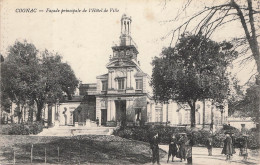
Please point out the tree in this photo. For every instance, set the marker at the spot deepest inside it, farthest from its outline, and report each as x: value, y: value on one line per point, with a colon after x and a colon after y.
x: 28, y: 76
x: 195, y: 69
x: 222, y: 13
x: 18, y: 71
x: 249, y: 105
x: 56, y: 78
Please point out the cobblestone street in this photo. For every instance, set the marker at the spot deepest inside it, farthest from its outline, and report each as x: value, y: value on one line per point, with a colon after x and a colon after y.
x: 200, y: 157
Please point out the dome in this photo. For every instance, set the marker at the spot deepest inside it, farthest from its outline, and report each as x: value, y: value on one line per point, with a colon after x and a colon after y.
x: 125, y: 16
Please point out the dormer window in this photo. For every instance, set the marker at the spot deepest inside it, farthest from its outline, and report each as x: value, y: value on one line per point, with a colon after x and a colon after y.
x: 139, y: 84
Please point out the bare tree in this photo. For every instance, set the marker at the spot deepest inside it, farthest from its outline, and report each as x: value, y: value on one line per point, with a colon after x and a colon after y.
x: 213, y: 17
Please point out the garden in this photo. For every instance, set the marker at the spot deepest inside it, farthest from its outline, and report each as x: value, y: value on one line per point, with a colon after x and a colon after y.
x: 73, y: 150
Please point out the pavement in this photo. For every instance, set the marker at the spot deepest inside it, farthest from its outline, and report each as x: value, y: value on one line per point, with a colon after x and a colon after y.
x: 200, y: 157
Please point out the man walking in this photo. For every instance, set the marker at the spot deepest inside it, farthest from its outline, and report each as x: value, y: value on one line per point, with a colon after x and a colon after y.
x: 154, y: 144
x: 209, y: 146
x: 189, y: 143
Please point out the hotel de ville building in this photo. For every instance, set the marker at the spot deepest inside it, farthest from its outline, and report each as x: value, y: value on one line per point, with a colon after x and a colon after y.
x: 123, y: 96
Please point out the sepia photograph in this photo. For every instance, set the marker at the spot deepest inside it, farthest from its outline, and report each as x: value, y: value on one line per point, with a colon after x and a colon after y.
x: 130, y: 82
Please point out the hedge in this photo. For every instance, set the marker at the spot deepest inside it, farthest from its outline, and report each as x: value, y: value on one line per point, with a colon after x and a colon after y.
x: 200, y: 137
x: 22, y: 129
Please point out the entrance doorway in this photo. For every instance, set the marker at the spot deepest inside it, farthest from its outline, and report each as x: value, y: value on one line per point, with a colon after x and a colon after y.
x: 103, y: 116
x: 121, y: 111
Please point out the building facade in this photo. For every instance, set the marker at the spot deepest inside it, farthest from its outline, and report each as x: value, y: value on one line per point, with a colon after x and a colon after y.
x: 123, y: 96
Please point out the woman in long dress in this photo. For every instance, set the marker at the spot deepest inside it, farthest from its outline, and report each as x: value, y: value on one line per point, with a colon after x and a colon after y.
x: 182, y: 148
x: 173, y: 148
x: 228, y: 149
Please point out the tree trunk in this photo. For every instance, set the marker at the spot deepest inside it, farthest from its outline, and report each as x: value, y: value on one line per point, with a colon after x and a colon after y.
x: 31, y: 114
x: 204, y: 106
x: 39, y: 111
x: 212, y: 116
x: 252, y: 39
x: 192, y: 113
x: 19, y: 113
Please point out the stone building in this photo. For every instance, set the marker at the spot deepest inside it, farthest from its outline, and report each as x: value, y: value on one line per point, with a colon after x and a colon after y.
x: 123, y: 96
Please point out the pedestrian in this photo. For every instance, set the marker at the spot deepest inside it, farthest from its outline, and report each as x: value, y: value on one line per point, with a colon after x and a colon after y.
x: 209, y: 145
x: 244, y: 147
x: 154, y: 145
x: 228, y: 149
x: 233, y: 142
x: 173, y: 148
x: 181, y: 143
x: 188, y: 145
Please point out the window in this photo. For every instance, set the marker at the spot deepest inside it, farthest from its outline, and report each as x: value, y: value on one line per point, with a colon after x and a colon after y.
x: 158, y: 115
x: 139, y: 84
x: 179, y: 118
x: 104, y: 85
x: 121, y: 83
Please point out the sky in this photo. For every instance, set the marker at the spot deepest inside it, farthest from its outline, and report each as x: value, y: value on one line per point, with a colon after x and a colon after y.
x: 84, y: 39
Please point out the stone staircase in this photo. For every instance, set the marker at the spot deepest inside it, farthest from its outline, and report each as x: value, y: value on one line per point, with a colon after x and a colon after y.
x: 74, y: 131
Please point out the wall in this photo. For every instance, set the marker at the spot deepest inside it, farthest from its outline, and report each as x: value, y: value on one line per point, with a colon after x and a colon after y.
x: 236, y: 122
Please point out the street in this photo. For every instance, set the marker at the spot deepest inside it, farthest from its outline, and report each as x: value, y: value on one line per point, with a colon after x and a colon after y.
x: 200, y: 157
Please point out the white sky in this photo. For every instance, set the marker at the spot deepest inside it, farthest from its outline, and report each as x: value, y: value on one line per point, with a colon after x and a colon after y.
x: 85, y: 39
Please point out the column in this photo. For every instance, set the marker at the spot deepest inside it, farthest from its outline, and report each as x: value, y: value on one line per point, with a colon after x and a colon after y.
x: 127, y: 107
x: 153, y: 112
x: 148, y: 112
x: 131, y: 85
x: 113, y: 110
x: 109, y: 81
x: 112, y: 79
x: 53, y: 114
x: 108, y: 110
x: 128, y: 78
x: 164, y: 111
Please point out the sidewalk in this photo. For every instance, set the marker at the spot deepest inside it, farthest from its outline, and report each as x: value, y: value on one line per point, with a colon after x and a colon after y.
x: 200, y: 157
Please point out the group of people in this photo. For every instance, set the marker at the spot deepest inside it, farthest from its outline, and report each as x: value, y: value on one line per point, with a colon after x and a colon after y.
x: 229, y: 146
x: 180, y: 146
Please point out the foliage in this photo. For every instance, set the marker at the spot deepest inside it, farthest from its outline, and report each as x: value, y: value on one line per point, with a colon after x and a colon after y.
x: 217, y: 16
x: 144, y: 133
x: 29, y: 76
x: 250, y: 104
x: 22, y: 129
x: 199, y: 136
x: 194, y: 69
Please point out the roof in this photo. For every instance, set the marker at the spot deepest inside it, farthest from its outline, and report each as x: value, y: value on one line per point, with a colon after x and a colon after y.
x: 140, y: 74
x: 102, y: 76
